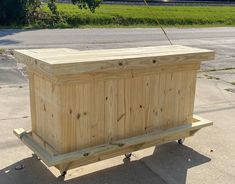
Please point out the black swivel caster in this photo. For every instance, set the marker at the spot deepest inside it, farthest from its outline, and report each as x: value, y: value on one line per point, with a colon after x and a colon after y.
x: 181, y: 141
x: 128, y: 155
x: 63, y: 173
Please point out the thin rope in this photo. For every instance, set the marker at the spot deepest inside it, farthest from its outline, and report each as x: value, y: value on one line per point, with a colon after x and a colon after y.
x: 159, y: 23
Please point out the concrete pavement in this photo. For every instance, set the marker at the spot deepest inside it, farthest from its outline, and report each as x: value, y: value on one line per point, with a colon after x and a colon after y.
x: 113, y: 38
x: 207, y: 157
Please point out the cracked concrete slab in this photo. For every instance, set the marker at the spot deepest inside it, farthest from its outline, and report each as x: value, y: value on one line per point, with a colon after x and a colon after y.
x: 10, y: 72
x: 224, y: 75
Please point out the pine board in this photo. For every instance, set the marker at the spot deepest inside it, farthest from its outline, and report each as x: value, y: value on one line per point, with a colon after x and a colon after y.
x: 81, y: 99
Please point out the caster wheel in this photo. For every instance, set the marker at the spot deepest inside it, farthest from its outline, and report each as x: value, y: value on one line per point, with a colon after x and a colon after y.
x: 181, y: 141
x: 128, y: 155
x: 35, y: 156
x: 62, y: 174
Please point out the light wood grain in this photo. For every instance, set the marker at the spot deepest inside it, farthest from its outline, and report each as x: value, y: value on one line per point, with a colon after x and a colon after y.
x: 107, y: 107
x: 115, y: 148
x: 94, y: 102
x: 110, y: 59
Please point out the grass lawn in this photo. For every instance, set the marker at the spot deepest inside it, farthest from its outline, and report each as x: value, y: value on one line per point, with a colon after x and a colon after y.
x: 142, y: 16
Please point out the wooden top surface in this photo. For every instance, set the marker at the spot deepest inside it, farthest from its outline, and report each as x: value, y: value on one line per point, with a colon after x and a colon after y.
x: 65, y: 61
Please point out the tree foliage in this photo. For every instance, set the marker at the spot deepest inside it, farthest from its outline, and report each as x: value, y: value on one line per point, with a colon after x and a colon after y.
x: 20, y: 12
x: 33, y: 11
x: 52, y: 6
x: 12, y: 11
x: 91, y: 4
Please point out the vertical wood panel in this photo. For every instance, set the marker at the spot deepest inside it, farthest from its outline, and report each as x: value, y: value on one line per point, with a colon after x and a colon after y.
x: 79, y: 115
x: 177, y: 97
x: 121, y: 109
x: 151, y: 94
x: 111, y: 117
x: 169, y: 100
x: 127, y: 106
x: 137, y: 106
x: 46, y: 111
x: 191, y: 98
x: 32, y: 100
x: 98, y: 125
x: 161, y: 100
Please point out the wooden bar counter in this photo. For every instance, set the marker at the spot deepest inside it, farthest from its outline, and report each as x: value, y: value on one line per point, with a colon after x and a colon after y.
x: 92, y: 105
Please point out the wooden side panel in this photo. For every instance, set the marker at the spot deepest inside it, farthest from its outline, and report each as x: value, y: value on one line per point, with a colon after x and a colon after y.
x: 45, y: 112
x: 190, y: 95
x: 32, y: 100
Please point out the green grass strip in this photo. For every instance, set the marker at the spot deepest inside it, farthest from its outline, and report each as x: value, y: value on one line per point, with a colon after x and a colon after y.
x: 130, y: 15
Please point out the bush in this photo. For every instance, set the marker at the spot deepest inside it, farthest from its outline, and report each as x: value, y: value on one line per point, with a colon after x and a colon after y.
x: 87, y: 4
x: 31, y: 12
x: 12, y: 11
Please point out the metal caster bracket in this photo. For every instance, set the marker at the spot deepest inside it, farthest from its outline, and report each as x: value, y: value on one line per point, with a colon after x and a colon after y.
x: 181, y: 141
x: 128, y: 155
x: 63, y: 173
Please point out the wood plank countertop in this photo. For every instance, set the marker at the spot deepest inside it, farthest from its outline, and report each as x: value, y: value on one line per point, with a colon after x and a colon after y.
x: 63, y: 61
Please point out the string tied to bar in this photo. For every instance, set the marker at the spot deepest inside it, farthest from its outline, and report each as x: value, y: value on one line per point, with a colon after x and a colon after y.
x: 165, y: 33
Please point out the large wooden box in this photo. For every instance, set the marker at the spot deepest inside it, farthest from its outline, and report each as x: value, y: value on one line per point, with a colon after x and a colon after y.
x: 80, y: 99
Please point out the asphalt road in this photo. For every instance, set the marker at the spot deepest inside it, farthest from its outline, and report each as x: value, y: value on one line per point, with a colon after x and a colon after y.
x: 112, y: 38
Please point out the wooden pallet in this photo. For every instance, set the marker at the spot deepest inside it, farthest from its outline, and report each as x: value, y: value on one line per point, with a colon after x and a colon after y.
x: 104, y: 151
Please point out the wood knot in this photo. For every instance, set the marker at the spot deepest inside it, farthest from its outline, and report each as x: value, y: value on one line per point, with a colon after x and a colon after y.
x: 155, y: 112
x: 132, y: 75
x: 44, y: 107
x: 154, y: 61
x: 84, y: 113
x: 120, y: 64
x: 78, y: 116
x: 70, y: 111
